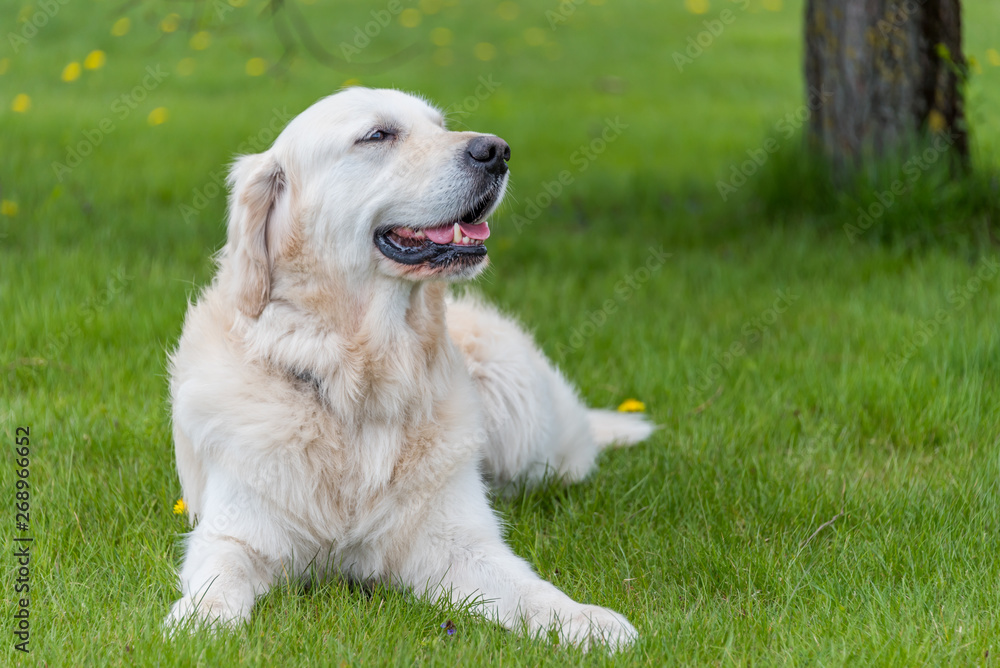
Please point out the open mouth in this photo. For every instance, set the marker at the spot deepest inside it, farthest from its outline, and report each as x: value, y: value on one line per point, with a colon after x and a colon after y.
x: 459, y: 242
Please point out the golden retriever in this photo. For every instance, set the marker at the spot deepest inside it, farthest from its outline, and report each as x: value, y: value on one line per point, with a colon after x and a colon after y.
x: 335, y: 412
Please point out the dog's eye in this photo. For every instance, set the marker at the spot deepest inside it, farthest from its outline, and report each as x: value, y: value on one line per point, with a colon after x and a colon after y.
x: 380, y: 135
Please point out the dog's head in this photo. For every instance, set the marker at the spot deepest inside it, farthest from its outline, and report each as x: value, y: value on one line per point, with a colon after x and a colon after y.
x: 364, y: 182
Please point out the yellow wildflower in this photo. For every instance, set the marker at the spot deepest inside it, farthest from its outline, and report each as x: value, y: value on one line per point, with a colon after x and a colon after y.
x: 632, y: 406
x: 485, y: 51
x: 121, y: 26
x: 441, y: 36
x: 410, y: 18
x: 170, y: 22
x: 21, y: 103
x: 256, y: 67
x: 200, y: 40
x: 158, y: 116
x: 71, y: 72
x: 180, y: 507
x: 94, y: 60
x: 8, y: 208
x: 993, y: 56
x: 696, y: 6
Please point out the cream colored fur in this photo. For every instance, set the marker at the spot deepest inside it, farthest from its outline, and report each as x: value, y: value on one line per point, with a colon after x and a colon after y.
x: 335, y: 413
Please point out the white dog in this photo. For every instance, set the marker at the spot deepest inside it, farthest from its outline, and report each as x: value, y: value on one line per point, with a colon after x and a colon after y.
x: 333, y: 411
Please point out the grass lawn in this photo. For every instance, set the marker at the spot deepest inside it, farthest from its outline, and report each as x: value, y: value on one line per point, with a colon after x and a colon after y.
x: 824, y: 487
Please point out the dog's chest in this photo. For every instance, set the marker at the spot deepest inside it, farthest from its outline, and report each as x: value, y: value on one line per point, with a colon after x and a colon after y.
x: 374, y: 476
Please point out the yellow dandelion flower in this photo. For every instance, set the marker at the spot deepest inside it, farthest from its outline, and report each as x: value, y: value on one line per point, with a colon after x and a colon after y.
x: 534, y: 36
x: 431, y: 6
x: 170, y: 22
x: 21, y: 103
x: 8, y: 208
x: 992, y: 55
x: 94, y: 60
x: 632, y: 406
x: 508, y: 11
x: 351, y: 82
x: 696, y: 6
x: 410, y: 18
x: 256, y: 67
x: 485, y: 51
x: 71, y: 72
x: 443, y: 57
x: 4, y: 65
x: 441, y: 36
x: 200, y: 40
x: 158, y: 116
x: 121, y: 26
x: 180, y: 507
x: 186, y: 66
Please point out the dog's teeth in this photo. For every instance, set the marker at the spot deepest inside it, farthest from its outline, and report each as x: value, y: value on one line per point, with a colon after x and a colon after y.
x: 420, y: 234
x: 458, y: 234
x: 465, y: 240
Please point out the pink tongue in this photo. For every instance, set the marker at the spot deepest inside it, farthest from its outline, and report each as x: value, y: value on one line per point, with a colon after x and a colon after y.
x: 446, y: 233
x: 477, y: 231
x: 441, y: 235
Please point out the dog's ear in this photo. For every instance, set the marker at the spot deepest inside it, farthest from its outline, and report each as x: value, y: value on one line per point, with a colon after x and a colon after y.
x: 258, y: 212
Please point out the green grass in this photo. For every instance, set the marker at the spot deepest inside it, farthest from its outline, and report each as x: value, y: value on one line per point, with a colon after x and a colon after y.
x: 849, y: 403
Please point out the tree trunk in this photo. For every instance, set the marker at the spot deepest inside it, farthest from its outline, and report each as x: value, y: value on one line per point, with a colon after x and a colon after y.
x: 885, y: 72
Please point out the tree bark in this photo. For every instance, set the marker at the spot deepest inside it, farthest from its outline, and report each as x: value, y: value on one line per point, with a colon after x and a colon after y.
x: 885, y: 72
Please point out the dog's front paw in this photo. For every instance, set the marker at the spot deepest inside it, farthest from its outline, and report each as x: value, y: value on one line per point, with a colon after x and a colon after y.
x: 212, y: 613
x: 593, y: 626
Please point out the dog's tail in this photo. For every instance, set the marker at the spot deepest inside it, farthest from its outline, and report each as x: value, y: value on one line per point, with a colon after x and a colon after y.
x: 618, y: 429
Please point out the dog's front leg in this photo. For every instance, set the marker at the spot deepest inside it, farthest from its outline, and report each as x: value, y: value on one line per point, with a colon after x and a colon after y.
x: 460, y: 555
x: 220, y: 579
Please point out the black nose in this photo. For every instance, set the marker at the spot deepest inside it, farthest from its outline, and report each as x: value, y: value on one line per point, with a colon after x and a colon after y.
x: 489, y: 153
